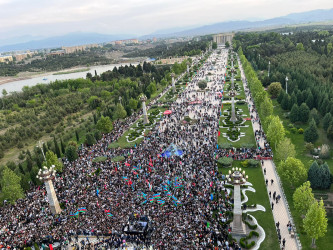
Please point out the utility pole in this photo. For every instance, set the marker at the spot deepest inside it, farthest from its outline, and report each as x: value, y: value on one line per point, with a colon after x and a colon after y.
x: 287, y: 84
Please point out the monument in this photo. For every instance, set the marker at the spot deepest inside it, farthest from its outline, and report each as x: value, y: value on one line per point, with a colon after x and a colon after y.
x: 237, y: 178
x: 173, y: 81
x: 143, y: 98
x: 47, y: 176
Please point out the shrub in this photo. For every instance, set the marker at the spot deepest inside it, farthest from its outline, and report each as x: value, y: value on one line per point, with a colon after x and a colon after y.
x: 225, y: 161
x: 293, y: 130
x: 301, y: 131
x: 245, y: 163
x: 253, y: 163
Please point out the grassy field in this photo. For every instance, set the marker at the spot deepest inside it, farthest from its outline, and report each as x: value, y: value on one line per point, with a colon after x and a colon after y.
x: 298, y: 140
x: 122, y: 141
x: 249, y: 135
x: 265, y: 219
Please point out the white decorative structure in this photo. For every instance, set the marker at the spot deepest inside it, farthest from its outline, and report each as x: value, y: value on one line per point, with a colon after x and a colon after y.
x: 143, y: 98
x: 188, y: 67
x: 47, y: 176
x: 173, y: 81
x: 237, y: 178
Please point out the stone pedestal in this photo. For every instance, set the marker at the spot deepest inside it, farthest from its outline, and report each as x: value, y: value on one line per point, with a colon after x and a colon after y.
x: 145, y: 116
x: 52, y: 197
x: 173, y: 83
x: 238, y: 226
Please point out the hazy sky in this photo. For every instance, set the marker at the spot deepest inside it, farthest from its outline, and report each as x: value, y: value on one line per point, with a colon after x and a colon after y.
x: 56, y: 17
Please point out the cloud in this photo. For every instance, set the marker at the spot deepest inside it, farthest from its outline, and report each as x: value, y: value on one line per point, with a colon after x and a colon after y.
x: 49, y: 17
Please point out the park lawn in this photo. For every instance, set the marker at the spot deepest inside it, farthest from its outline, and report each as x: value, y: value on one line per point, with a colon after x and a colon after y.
x: 265, y: 219
x: 249, y: 135
x: 298, y: 140
x: 122, y: 141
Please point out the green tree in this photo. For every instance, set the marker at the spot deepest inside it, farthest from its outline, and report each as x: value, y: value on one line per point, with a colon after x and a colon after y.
x: 329, y: 48
x: 119, y: 112
x: 4, y: 92
x: 152, y: 88
x: 294, y: 113
x: 214, y: 45
x: 327, y: 121
x: 90, y: 139
x: 62, y: 145
x: 315, y: 116
x: 133, y: 104
x: 285, y: 102
x: 56, y: 147
x: 104, y: 125
x: 274, y: 89
x: 293, y: 171
x: 94, y: 102
x: 311, y: 133
x: 227, y: 44
x: 266, y: 108
x: 51, y: 159
x: 77, y: 135
x: 315, y: 221
x: 275, y: 131
x: 304, y: 113
x: 11, y: 187
x: 285, y: 149
x: 300, y: 46
x: 71, y: 152
x: 330, y: 132
x: 202, y: 84
x: 303, y: 198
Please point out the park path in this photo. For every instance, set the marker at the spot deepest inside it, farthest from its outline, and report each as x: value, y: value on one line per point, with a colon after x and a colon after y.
x: 281, y: 212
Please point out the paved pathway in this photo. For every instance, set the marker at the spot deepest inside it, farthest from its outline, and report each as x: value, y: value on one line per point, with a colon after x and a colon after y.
x: 281, y: 212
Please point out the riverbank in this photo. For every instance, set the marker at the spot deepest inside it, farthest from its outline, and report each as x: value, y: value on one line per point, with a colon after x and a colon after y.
x: 30, y: 75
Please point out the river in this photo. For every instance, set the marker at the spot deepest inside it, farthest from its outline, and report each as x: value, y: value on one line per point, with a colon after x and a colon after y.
x: 49, y: 77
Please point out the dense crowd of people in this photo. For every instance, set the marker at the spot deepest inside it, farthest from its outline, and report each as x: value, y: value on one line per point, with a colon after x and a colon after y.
x: 182, y: 195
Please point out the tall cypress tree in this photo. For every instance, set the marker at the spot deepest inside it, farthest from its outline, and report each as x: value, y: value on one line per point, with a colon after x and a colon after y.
x: 77, y: 135
x: 62, y: 145
x: 56, y: 148
x: 311, y: 133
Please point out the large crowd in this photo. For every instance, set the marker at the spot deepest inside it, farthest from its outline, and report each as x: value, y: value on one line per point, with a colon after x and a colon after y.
x: 192, y: 208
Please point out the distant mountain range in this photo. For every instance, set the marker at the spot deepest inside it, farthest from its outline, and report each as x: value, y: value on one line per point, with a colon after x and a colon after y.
x: 291, y: 19
x: 71, y: 39
x: 80, y: 38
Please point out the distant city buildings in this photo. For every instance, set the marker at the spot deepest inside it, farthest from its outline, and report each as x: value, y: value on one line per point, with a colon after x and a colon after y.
x: 73, y: 49
x: 222, y: 38
x: 124, y: 42
x: 6, y: 59
x: 22, y: 56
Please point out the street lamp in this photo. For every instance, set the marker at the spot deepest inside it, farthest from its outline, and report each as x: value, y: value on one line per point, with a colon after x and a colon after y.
x: 287, y: 84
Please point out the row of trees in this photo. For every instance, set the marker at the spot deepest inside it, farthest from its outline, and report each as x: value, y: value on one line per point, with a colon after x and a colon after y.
x: 52, y: 105
x: 188, y: 48
x: 292, y: 170
x: 306, y: 59
x: 54, y: 63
